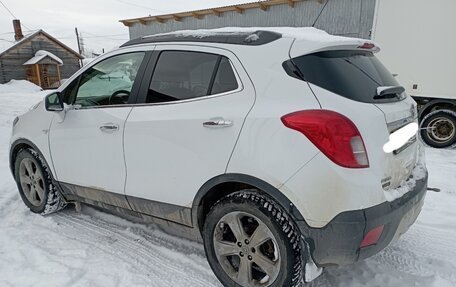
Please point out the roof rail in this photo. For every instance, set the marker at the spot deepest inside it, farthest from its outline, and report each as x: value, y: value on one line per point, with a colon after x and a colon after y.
x: 256, y: 38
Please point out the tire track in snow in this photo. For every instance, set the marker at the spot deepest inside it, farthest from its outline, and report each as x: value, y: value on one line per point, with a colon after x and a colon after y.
x: 146, y: 253
x: 424, y: 256
x: 418, y: 251
x: 428, y: 248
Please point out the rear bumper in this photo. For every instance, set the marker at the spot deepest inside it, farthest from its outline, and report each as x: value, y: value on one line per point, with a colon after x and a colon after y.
x: 338, y: 242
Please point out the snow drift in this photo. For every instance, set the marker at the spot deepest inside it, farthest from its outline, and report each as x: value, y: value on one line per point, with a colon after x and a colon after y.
x: 19, y: 86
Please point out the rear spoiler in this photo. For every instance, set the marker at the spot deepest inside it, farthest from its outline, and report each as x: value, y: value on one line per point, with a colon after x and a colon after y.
x: 389, y: 92
x: 302, y: 47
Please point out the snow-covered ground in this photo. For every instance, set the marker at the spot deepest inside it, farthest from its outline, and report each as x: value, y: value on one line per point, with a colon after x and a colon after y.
x: 93, y: 248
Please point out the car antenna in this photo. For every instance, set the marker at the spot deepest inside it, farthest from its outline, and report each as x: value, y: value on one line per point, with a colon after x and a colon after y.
x: 321, y: 11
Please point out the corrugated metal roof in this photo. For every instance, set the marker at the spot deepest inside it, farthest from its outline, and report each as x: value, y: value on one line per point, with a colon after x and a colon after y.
x: 218, y: 11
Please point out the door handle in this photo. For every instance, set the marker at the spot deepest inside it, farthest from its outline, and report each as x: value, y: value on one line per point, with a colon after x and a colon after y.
x: 218, y: 123
x: 109, y: 128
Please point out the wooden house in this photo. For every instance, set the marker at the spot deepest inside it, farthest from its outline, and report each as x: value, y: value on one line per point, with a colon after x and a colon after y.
x: 38, y: 58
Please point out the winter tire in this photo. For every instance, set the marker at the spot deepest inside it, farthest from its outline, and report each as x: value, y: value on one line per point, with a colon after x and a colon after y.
x: 250, y: 241
x: 438, y: 129
x: 35, y: 183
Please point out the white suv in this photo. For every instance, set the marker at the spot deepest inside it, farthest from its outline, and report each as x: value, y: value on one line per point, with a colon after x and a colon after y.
x: 267, y: 142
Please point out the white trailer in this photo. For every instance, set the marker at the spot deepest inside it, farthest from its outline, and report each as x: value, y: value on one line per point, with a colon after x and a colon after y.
x: 418, y: 42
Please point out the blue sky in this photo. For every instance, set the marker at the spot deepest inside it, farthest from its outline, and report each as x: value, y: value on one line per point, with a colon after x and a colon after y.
x: 97, y: 20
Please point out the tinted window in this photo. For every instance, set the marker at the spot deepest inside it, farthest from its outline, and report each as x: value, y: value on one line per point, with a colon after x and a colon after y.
x: 181, y: 75
x: 109, y: 82
x: 225, y: 80
x: 351, y: 74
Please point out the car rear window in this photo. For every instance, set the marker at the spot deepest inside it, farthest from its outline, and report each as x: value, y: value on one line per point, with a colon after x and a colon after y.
x: 352, y: 74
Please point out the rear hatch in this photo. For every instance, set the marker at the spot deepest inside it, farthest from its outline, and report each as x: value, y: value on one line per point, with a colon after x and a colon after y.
x: 355, y: 74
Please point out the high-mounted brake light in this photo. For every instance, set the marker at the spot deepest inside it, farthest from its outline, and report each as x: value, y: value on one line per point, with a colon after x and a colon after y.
x: 367, y: 45
x: 333, y: 134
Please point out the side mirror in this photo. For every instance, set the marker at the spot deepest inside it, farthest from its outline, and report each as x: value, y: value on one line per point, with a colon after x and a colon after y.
x: 54, y: 102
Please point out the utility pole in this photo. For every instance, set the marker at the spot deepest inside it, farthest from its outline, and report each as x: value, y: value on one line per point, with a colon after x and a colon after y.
x: 79, y: 46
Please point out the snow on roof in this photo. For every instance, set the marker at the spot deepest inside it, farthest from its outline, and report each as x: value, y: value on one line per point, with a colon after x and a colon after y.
x: 12, y: 44
x: 305, y: 39
x: 300, y: 33
x: 31, y: 36
x: 5, y: 45
x: 40, y: 55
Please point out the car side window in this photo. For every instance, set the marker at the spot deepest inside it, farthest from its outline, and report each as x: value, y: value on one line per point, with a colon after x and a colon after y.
x: 109, y: 82
x: 69, y: 94
x: 225, y: 79
x: 182, y: 75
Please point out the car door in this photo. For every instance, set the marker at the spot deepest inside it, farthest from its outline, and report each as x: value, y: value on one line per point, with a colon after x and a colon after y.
x: 183, y: 134
x: 86, y: 142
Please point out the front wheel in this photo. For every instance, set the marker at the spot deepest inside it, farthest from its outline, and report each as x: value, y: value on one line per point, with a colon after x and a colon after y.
x: 438, y: 129
x: 35, y: 184
x: 250, y: 241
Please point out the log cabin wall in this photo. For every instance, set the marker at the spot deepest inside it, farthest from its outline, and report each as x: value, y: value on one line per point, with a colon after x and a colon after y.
x: 12, y: 60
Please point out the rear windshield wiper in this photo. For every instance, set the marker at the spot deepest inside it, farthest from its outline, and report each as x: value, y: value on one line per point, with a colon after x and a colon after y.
x: 386, y: 92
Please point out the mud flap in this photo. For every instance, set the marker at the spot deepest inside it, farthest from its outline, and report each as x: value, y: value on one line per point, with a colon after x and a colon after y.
x: 311, y: 270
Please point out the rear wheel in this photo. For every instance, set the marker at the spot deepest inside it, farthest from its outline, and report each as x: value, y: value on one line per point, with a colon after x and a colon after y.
x: 35, y: 184
x: 250, y: 241
x: 438, y: 129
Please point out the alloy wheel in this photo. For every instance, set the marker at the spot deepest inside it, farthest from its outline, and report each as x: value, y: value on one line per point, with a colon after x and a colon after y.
x: 246, y: 249
x: 32, y: 181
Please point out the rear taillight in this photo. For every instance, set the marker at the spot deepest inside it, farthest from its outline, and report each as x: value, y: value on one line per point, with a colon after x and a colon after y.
x: 333, y: 134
